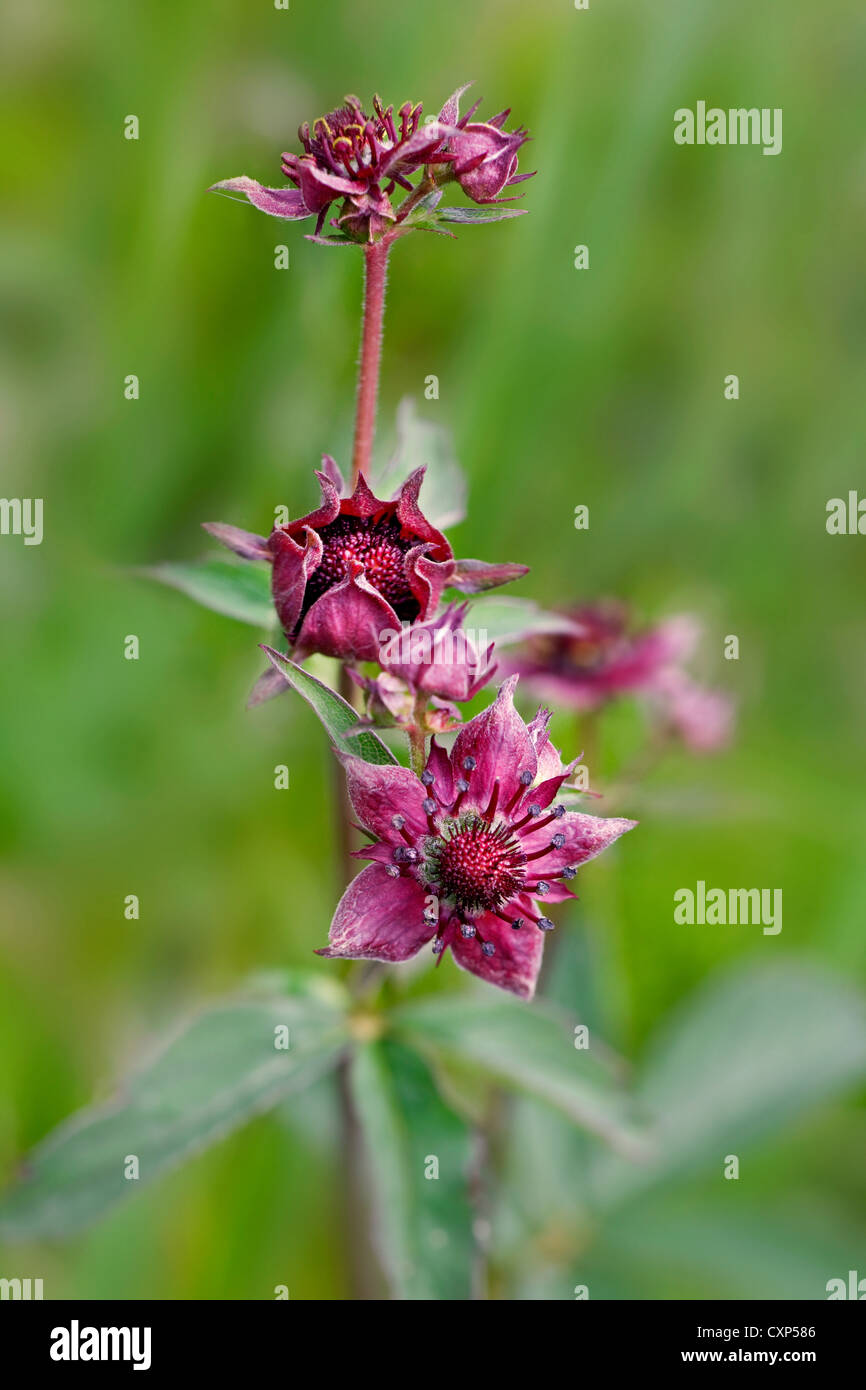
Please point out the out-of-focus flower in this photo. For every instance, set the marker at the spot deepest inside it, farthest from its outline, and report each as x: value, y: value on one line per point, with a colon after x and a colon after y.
x: 354, y: 157
x: 702, y: 718
x: 359, y: 566
x: 464, y: 855
x: 601, y: 658
x: 439, y: 657
x: 484, y: 156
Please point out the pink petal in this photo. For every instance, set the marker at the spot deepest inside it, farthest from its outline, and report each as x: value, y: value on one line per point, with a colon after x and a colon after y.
x: 379, y: 792
x: 516, y: 960
x: 379, y: 918
x: 244, y: 543
x: 331, y: 470
x: 270, y: 683
x: 439, y: 764
x: 293, y: 565
x: 279, y: 202
x: 320, y: 188
x: 451, y: 110
x: 585, y: 837
x: 471, y: 576
x: 328, y: 510
x: 409, y: 514
x: 347, y: 620
x: 499, y: 741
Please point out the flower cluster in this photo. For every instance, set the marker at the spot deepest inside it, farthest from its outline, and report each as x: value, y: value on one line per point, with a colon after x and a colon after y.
x: 359, y: 161
x: 472, y: 845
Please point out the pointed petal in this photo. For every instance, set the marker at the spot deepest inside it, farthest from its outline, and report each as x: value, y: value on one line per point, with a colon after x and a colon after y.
x: 379, y: 792
x: 348, y: 620
x: 279, y: 202
x: 379, y: 918
x: 427, y: 578
x: 410, y: 515
x: 472, y: 576
x: 585, y: 837
x: 451, y: 110
x: 439, y: 763
x: 270, y: 683
x: 516, y: 959
x: 244, y: 543
x: 319, y: 188
x: 328, y: 509
x: 293, y: 565
x: 331, y: 470
x: 499, y: 741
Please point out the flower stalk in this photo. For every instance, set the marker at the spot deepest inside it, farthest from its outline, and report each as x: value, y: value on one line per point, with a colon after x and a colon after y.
x: 375, y: 276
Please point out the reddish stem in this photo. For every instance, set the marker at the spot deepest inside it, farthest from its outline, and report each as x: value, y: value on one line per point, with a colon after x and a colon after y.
x: 375, y: 276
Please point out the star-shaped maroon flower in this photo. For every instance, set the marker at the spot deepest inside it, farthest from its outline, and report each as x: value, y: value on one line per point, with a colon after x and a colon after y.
x: 469, y: 855
x: 356, y: 568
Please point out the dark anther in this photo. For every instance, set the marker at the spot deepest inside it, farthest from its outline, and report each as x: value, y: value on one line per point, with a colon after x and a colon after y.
x: 469, y: 764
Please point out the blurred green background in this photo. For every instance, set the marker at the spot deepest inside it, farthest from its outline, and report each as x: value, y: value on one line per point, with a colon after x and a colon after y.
x: 602, y: 387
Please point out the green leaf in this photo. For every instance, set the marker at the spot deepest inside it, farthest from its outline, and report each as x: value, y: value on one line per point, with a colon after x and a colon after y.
x: 469, y: 215
x: 423, y: 1222
x: 335, y: 713
x: 419, y: 441
x: 747, y: 1054
x: 238, y: 591
x: 217, y: 1072
x: 509, y: 620
x: 532, y: 1049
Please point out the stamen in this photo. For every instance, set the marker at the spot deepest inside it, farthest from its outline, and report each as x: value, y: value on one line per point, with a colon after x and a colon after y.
x: 492, y: 803
x: 570, y: 872
x: 545, y: 924
x: 532, y: 814
x: 467, y: 930
x: 525, y: 780
x: 469, y: 764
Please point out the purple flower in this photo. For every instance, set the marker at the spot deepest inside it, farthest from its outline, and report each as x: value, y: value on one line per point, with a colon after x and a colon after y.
x: 484, y: 156
x: 601, y: 659
x: 469, y: 855
x: 355, y: 158
x: 438, y: 657
x: 358, y: 566
x: 702, y: 718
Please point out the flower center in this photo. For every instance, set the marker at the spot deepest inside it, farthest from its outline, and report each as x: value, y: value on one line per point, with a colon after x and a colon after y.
x: 477, y: 864
x: 379, y: 547
x: 350, y: 142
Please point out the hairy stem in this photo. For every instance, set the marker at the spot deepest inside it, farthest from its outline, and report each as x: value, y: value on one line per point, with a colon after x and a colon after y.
x: 375, y: 275
x: 418, y: 736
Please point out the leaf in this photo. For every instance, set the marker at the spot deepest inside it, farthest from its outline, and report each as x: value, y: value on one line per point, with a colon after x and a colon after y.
x: 335, y: 713
x: 510, y: 620
x: 469, y: 215
x: 533, y: 1050
x: 747, y: 1054
x: 216, y: 1073
x: 444, y: 490
x: 237, y: 591
x: 427, y: 204
x: 423, y: 1224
